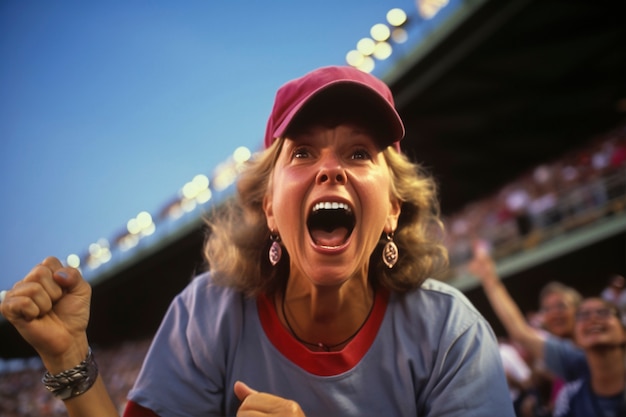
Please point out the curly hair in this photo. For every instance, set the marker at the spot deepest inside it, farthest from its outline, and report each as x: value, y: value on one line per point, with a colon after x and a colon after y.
x: 238, y: 242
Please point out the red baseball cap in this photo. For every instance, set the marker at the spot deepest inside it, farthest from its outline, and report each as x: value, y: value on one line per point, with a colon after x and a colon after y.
x: 352, y: 84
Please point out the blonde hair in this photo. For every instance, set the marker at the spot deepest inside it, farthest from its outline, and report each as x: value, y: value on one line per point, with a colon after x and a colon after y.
x: 237, y: 247
x: 555, y: 287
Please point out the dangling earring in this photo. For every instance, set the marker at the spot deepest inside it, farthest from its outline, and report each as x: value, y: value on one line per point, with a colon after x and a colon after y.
x: 276, y: 252
x: 390, y: 252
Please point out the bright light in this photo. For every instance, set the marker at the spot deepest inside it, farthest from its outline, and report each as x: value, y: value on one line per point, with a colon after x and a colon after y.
x: 144, y: 220
x: 196, y: 186
x: 225, y: 175
x: 95, y: 250
x: 382, y: 51
x: 201, y: 181
x: 204, y: 196
x: 380, y: 32
x: 148, y: 230
x: 99, y: 253
x: 241, y: 154
x: 105, y: 256
x: 93, y: 263
x: 429, y: 8
x: 399, y: 35
x: 368, y: 64
x: 128, y: 242
x: 396, y: 17
x: 190, y: 190
x: 354, y: 58
x: 133, y: 227
x: 73, y: 260
x: 366, y: 46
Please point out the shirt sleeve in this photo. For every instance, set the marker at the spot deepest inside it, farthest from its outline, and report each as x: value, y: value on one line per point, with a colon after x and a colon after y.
x: 564, y: 359
x: 470, y: 377
x: 183, y: 373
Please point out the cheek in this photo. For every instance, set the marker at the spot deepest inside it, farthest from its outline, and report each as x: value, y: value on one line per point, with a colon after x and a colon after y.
x: 378, y: 196
x: 287, y: 194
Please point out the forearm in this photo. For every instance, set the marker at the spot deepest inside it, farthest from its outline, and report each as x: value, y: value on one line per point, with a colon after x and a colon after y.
x: 95, y: 402
x: 511, y: 316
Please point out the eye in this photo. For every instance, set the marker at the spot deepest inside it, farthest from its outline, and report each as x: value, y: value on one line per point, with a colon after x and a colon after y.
x: 300, y: 152
x: 361, y: 154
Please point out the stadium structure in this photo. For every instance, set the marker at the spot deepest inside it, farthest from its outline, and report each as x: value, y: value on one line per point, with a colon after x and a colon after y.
x: 495, y: 91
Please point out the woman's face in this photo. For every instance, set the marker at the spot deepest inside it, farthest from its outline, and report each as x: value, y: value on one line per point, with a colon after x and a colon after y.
x: 598, y: 324
x: 329, y: 200
x: 558, y: 314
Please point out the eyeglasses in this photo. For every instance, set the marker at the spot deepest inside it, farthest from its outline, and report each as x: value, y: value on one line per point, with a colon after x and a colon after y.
x: 602, y: 313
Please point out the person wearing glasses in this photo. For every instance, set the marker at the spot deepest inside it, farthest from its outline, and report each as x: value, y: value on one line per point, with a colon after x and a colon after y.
x: 600, y: 390
x: 558, y: 306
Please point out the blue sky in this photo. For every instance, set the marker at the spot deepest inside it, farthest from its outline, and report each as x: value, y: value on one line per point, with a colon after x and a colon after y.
x: 108, y: 108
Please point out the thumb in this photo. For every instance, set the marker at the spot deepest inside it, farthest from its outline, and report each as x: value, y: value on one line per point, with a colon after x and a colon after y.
x: 70, y: 280
x: 242, y: 390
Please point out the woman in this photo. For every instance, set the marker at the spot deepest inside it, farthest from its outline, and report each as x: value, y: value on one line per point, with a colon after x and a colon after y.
x: 318, y: 300
x: 600, y: 392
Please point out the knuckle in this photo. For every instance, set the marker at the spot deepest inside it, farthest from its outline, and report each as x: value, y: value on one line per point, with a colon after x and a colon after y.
x: 293, y: 407
x: 21, y: 308
x: 51, y: 262
x: 38, y: 274
x: 26, y: 288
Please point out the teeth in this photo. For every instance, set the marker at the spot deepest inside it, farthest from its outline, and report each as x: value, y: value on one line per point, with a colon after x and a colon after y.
x: 327, y: 205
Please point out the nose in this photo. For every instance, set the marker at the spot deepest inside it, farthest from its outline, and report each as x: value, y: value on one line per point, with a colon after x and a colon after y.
x: 331, y: 172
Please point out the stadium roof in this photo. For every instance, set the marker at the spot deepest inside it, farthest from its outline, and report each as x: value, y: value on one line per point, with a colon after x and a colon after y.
x: 508, y: 85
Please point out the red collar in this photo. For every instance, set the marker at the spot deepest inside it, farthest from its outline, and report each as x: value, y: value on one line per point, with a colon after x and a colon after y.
x: 322, y: 363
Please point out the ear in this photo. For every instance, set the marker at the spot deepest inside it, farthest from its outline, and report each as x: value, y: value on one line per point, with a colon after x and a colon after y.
x: 391, y: 224
x: 268, y: 209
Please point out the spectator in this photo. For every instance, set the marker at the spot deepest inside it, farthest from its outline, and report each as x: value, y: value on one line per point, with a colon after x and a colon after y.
x: 598, y: 382
x: 615, y: 292
x: 558, y: 307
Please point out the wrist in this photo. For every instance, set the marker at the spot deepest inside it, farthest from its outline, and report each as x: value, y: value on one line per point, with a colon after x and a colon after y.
x: 69, y: 358
x: 490, y: 281
x: 73, y: 381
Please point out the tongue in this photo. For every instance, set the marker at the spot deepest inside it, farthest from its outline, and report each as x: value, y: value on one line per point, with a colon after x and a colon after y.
x: 332, y: 238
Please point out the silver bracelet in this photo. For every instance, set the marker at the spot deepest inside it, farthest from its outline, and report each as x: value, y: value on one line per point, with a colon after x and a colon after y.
x: 72, y: 382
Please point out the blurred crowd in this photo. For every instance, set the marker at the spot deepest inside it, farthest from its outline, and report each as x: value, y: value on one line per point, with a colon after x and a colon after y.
x: 549, y: 200
x: 581, y: 187
x: 23, y: 395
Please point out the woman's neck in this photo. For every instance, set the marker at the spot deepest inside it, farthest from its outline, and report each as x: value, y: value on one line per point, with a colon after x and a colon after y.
x: 326, y: 316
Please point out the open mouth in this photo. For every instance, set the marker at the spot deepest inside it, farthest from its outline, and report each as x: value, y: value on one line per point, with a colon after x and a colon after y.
x: 330, y: 224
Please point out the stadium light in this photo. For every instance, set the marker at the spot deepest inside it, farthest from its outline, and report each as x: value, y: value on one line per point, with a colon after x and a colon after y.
x: 396, y: 17
x: 73, y: 260
x: 380, y: 32
x: 429, y: 8
x: 379, y: 46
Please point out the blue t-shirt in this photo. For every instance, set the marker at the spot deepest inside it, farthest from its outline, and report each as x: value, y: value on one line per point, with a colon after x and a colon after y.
x: 576, y: 398
x: 426, y: 353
